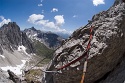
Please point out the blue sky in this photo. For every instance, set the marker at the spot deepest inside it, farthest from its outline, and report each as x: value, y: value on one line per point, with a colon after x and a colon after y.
x: 51, y: 15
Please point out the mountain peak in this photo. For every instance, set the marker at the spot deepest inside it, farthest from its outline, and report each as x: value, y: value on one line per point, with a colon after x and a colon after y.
x: 49, y: 39
x: 12, y: 23
x: 32, y: 28
x: 10, y: 26
x: 11, y: 35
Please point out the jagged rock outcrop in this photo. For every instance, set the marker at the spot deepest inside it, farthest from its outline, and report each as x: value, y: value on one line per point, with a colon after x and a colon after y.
x: 49, y: 39
x: 11, y: 37
x: 14, y: 77
x: 106, y: 55
x: 4, y: 77
x: 15, y: 47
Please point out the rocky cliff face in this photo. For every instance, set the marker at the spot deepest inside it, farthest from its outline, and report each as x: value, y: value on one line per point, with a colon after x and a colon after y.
x: 106, y: 55
x: 49, y: 39
x: 11, y: 37
x: 15, y: 47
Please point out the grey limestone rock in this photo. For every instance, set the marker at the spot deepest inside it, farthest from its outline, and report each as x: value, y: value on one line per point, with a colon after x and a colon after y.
x: 11, y: 37
x: 106, y: 55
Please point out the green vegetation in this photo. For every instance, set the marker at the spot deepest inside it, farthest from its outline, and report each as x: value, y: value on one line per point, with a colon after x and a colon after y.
x: 42, y: 50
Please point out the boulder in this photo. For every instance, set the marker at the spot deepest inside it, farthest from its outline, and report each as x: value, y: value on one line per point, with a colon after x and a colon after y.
x: 106, y: 55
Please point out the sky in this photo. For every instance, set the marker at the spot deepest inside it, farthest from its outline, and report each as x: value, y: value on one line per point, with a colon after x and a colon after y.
x: 51, y: 15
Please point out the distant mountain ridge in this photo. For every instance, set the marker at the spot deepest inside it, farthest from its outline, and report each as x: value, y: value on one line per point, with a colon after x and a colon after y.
x: 49, y: 39
x: 17, y: 50
x: 63, y: 35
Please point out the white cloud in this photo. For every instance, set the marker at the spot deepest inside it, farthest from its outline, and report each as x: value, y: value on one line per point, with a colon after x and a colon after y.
x: 98, y: 2
x: 1, y: 17
x: 42, y: 11
x: 59, y: 20
x: 41, y: 22
x: 4, y: 21
x: 51, y: 25
x: 75, y: 16
x: 35, y: 17
x: 40, y: 5
x: 38, y: 19
x: 54, y: 10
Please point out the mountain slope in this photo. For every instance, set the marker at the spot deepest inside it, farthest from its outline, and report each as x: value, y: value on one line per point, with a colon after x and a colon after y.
x: 11, y: 37
x: 106, y: 55
x: 42, y: 50
x: 15, y: 47
x: 49, y: 39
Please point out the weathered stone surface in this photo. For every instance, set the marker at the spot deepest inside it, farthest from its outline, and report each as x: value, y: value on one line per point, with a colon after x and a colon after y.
x: 11, y: 37
x: 117, y: 75
x: 13, y: 77
x: 14, y: 48
x: 4, y: 77
x: 106, y: 55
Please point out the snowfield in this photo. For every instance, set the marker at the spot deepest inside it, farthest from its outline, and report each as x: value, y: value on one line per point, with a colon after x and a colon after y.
x: 14, y: 61
x: 23, y: 49
x: 17, y: 70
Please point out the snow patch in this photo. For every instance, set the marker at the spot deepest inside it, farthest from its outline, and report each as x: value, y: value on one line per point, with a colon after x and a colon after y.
x: 17, y: 70
x: 35, y: 34
x: 2, y: 56
x: 22, y: 49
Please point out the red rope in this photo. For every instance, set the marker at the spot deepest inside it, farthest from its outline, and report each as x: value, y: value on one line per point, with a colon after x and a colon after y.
x: 85, y: 63
x: 85, y: 54
x: 74, y: 61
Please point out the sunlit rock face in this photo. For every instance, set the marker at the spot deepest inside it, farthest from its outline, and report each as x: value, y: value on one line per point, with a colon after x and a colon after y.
x: 11, y: 37
x: 106, y: 55
x: 15, y: 47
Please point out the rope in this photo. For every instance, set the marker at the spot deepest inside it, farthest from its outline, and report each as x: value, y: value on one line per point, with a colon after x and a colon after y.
x: 51, y: 71
x: 74, y: 61
x: 84, y: 71
x: 85, y: 54
x: 35, y: 65
x: 86, y: 61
